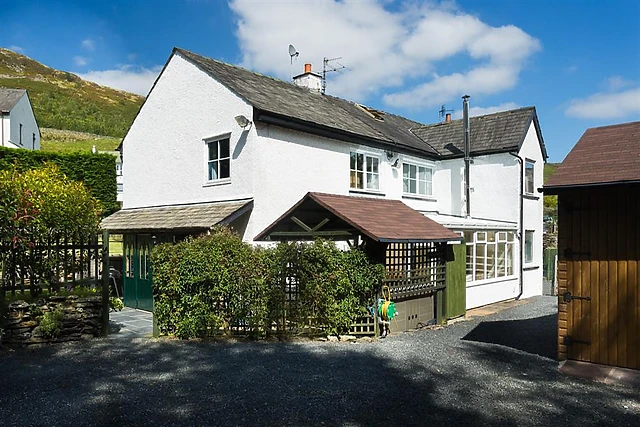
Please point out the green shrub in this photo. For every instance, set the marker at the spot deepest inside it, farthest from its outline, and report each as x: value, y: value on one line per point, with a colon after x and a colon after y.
x: 51, y: 323
x: 116, y: 304
x: 212, y: 284
x: 96, y: 171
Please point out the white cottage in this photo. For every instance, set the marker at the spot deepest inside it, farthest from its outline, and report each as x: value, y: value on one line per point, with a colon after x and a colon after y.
x: 214, y: 143
x: 18, y: 124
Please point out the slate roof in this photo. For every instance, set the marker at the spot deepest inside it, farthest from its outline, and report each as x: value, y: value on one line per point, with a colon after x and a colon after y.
x: 603, y: 155
x: 497, y: 132
x: 180, y: 217
x: 9, y: 98
x: 379, y: 219
x: 284, y: 99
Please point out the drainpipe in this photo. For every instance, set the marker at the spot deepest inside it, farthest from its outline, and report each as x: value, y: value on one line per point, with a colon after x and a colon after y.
x: 2, y: 120
x: 521, y: 224
x: 467, y: 153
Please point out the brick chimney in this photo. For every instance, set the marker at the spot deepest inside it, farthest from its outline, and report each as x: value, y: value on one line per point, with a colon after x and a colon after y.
x: 309, y: 79
x: 447, y: 118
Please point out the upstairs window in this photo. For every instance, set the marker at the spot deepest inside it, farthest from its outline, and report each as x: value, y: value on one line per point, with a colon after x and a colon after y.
x: 417, y: 180
x: 218, y: 160
x: 364, y: 172
x: 528, y: 177
x: 118, y: 169
x: 528, y: 246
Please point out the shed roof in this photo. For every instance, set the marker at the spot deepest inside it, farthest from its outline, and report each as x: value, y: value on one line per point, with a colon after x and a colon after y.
x: 9, y: 98
x: 603, y: 155
x: 181, y: 217
x: 497, y: 132
x: 379, y: 219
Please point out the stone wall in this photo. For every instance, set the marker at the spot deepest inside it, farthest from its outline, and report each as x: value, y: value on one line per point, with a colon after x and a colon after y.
x: 81, y: 320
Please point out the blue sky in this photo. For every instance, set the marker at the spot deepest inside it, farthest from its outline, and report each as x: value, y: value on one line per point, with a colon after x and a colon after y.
x: 578, y: 62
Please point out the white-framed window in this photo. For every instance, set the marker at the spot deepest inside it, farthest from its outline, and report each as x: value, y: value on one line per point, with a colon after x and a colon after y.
x: 528, y: 246
x: 218, y: 159
x: 529, y: 182
x: 490, y: 254
x: 364, y: 171
x: 417, y: 180
x: 120, y: 187
x: 118, y: 169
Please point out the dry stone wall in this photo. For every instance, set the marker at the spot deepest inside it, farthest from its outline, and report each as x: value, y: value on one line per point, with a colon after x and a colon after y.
x: 79, y: 318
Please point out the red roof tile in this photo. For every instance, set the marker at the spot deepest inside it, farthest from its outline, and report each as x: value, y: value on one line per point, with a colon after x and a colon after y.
x: 380, y: 219
x: 604, y: 155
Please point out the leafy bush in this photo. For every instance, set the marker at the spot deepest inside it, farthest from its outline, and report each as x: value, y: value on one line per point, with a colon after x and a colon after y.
x: 116, y: 304
x: 217, y: 283
x: 51, y: 323
x: 96, y: 171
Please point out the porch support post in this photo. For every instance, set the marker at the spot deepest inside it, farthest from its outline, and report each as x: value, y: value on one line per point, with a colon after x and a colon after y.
x: 105, y: 282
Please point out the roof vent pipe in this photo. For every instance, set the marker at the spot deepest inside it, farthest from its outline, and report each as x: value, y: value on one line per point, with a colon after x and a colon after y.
x: 467, y: 153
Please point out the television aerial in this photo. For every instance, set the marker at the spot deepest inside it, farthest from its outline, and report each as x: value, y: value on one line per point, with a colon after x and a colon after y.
x: 292, y: 52
x: 327, y: 67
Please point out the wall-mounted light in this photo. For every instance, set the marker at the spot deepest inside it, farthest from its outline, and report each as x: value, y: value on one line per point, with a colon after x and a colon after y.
x: 242, y: 121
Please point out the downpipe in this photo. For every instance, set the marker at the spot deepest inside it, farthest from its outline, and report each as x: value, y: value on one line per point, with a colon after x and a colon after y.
x: 521, y: 224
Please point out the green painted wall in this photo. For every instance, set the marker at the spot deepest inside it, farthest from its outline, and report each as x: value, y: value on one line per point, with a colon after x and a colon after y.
x: 456, y: 292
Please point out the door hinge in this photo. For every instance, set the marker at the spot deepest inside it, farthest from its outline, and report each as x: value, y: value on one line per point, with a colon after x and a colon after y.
x: 567, y: 297
x: 568, y: 340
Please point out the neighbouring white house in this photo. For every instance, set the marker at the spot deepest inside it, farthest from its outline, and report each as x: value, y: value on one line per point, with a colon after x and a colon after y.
x: 215, y: 143
x: 19, y: 128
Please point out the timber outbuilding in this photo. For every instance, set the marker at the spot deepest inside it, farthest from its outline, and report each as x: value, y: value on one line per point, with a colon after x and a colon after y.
x: 598, y: 188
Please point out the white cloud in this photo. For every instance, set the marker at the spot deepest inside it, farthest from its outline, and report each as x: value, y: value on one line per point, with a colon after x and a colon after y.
x: 16, y: 48
x: 128, y: 78
x: 615, y: 83
x: 88, y: 44
x: 605, y: 105
x: 481, y: 111
x: 398, y: 53
x: 80, y: 61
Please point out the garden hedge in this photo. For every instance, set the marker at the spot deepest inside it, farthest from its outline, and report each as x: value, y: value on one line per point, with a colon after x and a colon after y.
x: 217, y: 284
x: 96, y: 171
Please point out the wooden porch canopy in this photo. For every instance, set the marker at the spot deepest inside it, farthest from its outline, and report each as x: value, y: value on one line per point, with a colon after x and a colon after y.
x: 201, y: 216
x: 337, y: 217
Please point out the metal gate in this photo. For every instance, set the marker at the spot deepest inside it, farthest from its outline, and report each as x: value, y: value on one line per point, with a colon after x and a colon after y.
x: 137, y: 279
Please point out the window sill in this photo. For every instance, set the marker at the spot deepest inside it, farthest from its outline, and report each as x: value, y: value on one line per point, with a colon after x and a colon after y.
x: 531, y: 196
x: 491, y: 281
x: 217, y: 182
x: 419, y: 197
x: 369, y: 192
x: 530, y: 267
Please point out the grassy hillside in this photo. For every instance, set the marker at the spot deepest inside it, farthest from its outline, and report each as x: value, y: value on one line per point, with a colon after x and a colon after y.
x: 549, y: 169
x: 63, y: 100
x: 66, y: 140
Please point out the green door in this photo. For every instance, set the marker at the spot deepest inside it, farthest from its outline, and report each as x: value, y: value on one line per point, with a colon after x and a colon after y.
x: 138, y: 290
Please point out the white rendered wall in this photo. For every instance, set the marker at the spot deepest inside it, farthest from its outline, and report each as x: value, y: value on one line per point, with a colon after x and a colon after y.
x: 533, y: 208
x: 21, y: 113
x: 164, y: 153
x: 5, y: 130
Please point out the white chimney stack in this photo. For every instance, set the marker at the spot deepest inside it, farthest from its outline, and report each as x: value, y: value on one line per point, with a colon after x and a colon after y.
x: 309, y: 80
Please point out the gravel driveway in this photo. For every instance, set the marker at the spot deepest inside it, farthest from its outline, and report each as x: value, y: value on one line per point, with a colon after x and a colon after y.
x: 496, y: 370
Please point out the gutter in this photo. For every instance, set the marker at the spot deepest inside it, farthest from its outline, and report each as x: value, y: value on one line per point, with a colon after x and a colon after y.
x: 521, y: 224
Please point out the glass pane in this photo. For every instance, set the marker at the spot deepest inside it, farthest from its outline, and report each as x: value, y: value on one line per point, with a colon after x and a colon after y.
x: 481, y: 236
x: 480, y: 252
x: 468, y: 236
x: 360, y: 162
x: 224, y: 168
x: 491, y: 236
x: 412, y: 186
x: 405, y: 185
x: 374, y: 164
x: 213, y: 171
x: 422, y: 187
x: 412, y: 171
x: 502, y: 253
x: 510, y: 259
x: 372, y: 181
x: 353, y: 179
x: 224, y: 148
x: 510, y: 236
x: 405, y: 170
x: 501, y: 236
x: 469, y: 262
x: 491, y: 261
x: 352, y: 159
x: 528, y: 248
x: 422, y: 174
x: 429, y: 190
x: 213, y: 150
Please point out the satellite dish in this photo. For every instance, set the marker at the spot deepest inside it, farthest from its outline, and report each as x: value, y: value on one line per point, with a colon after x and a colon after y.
x: 292, y: 51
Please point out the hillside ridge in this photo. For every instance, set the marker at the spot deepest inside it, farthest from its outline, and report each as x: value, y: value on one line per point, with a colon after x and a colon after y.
x: 63, y: 100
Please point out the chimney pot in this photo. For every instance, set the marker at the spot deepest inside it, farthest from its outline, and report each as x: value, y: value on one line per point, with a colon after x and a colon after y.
x: 307, y: 68
x: 448, y: 118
